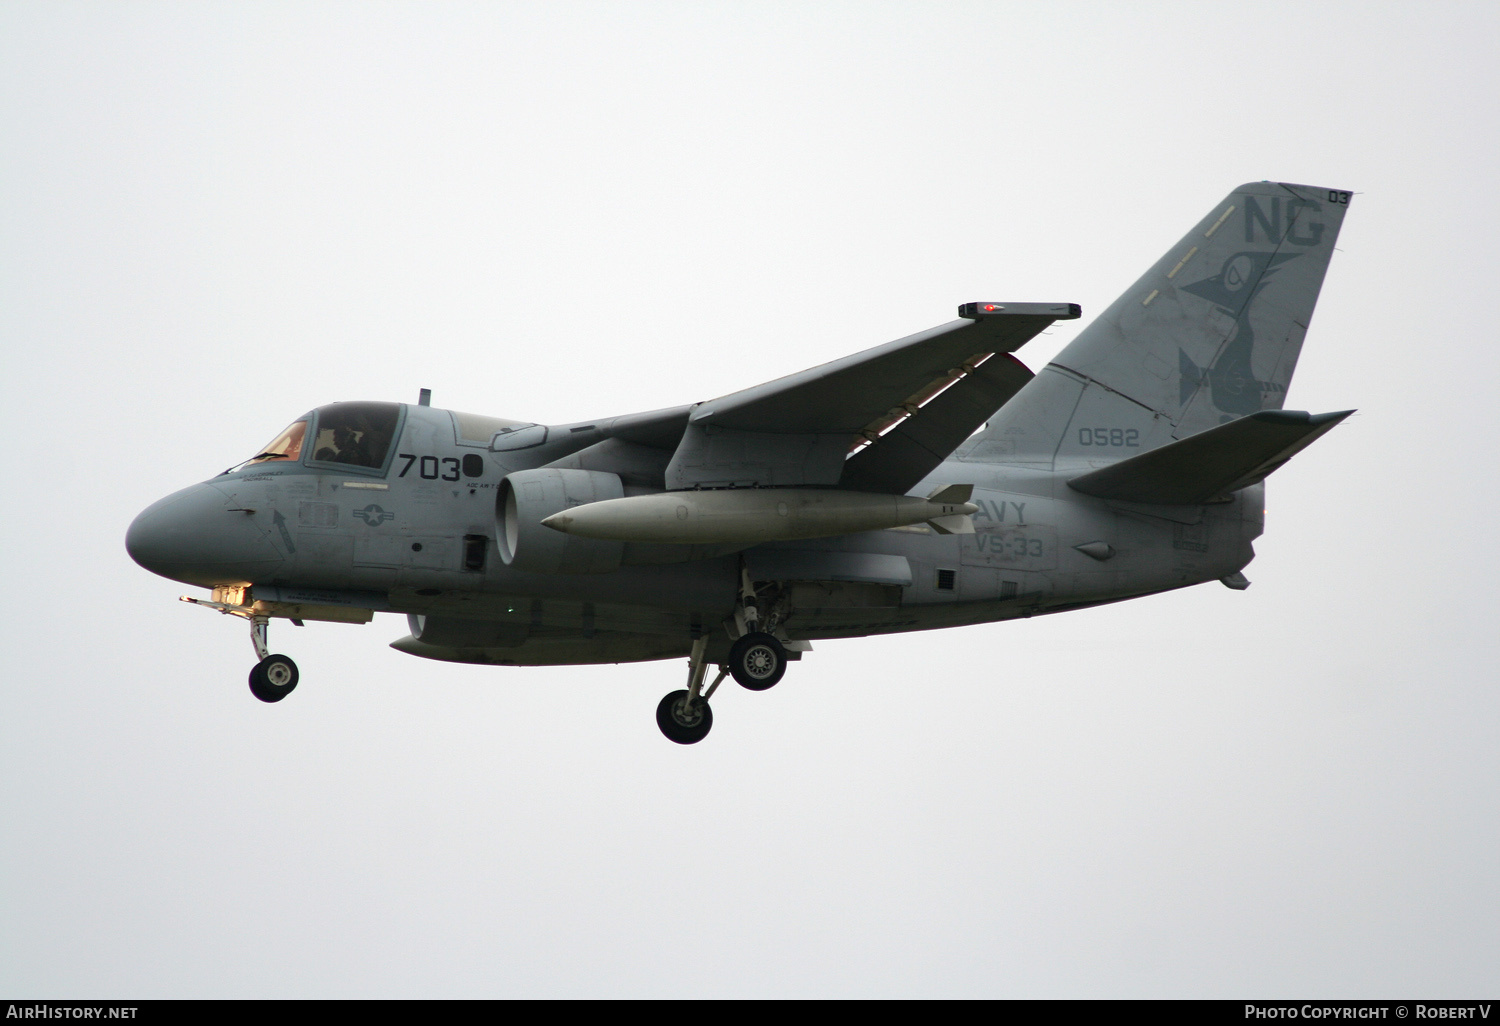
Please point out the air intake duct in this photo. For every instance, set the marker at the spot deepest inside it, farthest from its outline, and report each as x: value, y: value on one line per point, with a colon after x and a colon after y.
x: 527, y: 497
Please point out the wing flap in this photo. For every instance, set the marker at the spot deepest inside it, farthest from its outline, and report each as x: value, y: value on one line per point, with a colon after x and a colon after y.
x: 913, y: 447
x: 1213, y: 464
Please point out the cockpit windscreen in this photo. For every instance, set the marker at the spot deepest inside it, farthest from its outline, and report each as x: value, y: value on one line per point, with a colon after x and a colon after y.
x: 285, y: 446
x: 355, y: 434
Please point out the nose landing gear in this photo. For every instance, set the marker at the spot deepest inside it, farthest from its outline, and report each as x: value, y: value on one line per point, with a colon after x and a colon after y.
x: 274, y: 676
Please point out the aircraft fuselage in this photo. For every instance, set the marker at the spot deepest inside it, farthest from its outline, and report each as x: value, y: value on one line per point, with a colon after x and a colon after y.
x: 418, y: 536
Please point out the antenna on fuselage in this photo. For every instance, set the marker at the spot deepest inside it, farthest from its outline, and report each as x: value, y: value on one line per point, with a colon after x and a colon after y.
x: 424, y: 397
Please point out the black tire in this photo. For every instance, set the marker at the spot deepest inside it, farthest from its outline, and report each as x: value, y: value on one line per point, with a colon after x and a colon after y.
x: 678, y: 725
x: 757, y: 661
x: 273, y: 678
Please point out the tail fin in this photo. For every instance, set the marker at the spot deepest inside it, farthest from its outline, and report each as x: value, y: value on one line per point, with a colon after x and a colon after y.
x: 1208, y: 335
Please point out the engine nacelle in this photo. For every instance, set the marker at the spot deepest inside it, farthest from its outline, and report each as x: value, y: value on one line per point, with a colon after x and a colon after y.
x: 527, y: 497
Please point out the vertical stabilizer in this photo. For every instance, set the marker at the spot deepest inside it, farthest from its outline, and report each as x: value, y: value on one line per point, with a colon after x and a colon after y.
x: 1209, y: 334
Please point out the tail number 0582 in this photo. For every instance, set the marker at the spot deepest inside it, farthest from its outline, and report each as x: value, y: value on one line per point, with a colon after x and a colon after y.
x: 1116, y: 437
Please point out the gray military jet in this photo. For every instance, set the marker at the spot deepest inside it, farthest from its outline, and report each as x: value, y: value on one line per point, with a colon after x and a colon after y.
x: 931, y: 482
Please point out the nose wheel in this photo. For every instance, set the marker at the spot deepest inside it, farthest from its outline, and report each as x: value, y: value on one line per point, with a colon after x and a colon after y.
x: 273, y: 678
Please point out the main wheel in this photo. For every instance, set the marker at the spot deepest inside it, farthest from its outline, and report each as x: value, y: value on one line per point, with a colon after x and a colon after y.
x: 757, y: 661
x: 273, y: 678
x: 683, y: 725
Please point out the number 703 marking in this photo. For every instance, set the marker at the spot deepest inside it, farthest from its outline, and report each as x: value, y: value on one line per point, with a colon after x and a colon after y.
x: 430, y: 468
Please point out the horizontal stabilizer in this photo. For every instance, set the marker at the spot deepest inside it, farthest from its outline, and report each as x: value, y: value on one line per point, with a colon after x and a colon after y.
x: 1213, y: 464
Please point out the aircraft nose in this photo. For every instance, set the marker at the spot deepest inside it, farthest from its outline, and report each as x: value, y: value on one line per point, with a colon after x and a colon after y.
x: 194, y: 537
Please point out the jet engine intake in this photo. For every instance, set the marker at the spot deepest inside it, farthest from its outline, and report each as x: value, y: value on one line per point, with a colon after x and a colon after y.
x: 527, y: 497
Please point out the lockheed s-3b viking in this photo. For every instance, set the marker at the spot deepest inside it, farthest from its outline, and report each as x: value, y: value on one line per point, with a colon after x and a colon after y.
x: 931, y: 482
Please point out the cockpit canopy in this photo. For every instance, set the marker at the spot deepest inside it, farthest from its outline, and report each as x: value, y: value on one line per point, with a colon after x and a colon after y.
x: 345, y: 434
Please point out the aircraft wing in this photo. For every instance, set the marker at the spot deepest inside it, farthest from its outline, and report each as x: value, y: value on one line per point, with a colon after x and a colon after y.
x: 901, y: 408
x: 847, y: 395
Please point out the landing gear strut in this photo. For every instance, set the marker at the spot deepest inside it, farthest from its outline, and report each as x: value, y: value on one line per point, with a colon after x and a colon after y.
x: 684, y: 716
x: 757, y: 659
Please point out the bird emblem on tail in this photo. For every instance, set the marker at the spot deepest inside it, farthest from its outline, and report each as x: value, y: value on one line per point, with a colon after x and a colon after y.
x: 1233, y: 386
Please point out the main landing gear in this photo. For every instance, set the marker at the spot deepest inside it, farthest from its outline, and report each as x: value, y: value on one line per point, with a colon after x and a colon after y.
x: 274, y: 676
x: 757, y: 659
x: 684, y: 716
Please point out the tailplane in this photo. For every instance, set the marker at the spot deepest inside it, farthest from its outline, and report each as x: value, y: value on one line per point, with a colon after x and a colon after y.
x: 1213, y: 465
x: 1209, y: 335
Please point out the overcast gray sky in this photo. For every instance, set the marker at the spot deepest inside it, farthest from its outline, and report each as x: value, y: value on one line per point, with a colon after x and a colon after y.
x: 216, y: 216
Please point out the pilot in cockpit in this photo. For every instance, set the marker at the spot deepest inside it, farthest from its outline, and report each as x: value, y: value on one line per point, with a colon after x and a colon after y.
x: 344, y: 448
